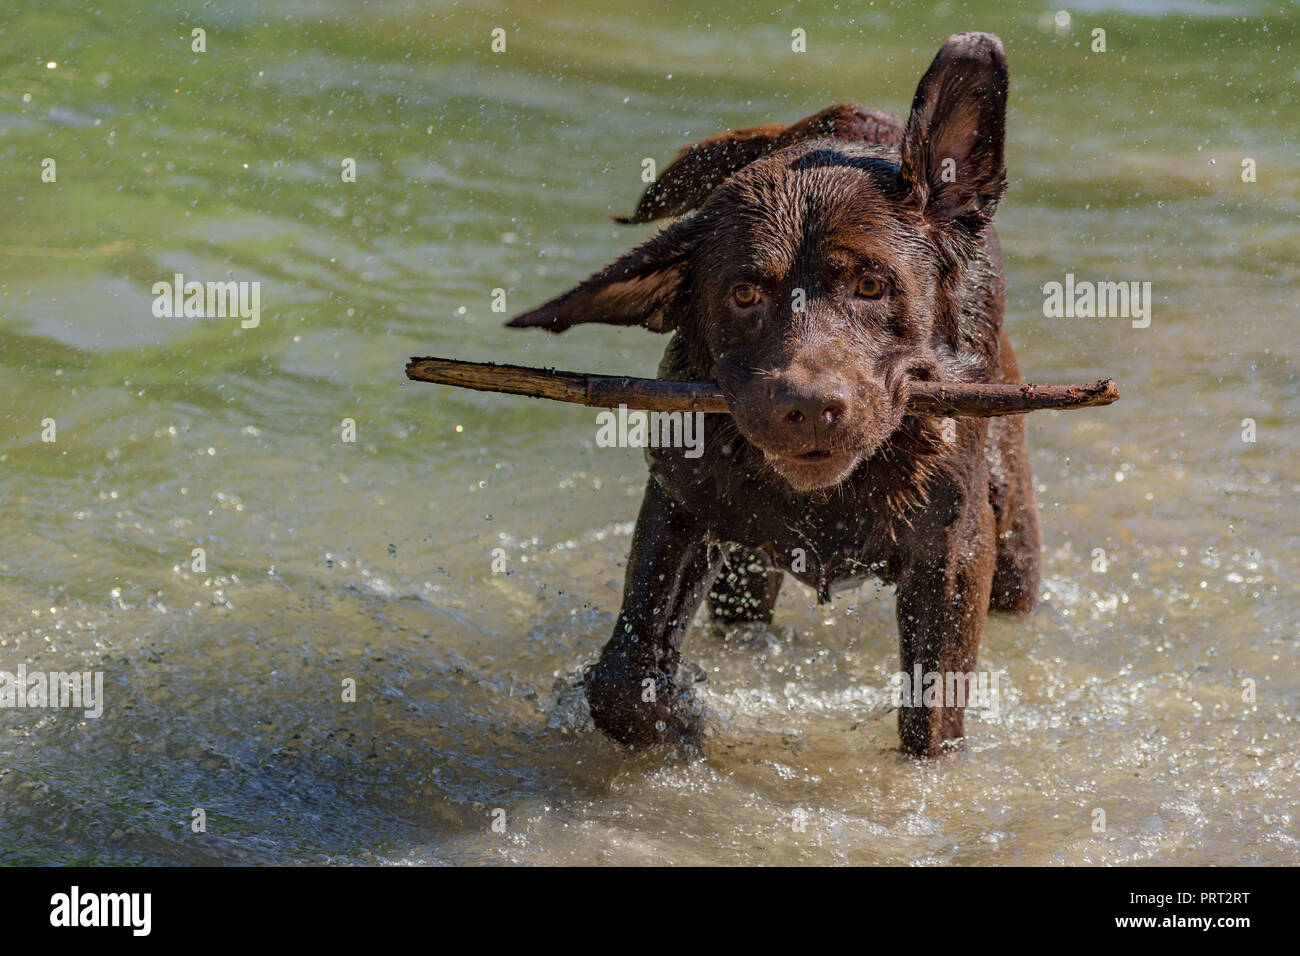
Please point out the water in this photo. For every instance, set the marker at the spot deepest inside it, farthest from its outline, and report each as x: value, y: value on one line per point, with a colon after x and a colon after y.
x: 373, y: 561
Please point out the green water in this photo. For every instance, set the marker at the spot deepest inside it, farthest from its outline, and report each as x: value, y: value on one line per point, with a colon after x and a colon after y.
x: 372, y: 560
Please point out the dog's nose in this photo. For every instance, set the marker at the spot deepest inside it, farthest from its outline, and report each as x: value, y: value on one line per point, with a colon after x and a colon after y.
x: 812, y: 409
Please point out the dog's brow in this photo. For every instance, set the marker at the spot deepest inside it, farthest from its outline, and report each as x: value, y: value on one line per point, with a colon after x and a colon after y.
x: 851, y: 257
x: 765, y: 266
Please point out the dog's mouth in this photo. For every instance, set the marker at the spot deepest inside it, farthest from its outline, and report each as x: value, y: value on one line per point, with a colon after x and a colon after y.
x: 818, y: 468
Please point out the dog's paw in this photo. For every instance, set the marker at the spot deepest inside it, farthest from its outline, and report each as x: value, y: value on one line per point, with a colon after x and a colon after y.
x: 643, y: 712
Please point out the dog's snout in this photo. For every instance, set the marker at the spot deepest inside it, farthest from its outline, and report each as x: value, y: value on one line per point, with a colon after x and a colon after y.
x: 812, y: 408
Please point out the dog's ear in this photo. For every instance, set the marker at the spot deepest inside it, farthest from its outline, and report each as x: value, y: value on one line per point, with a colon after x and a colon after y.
x: 952, y: 150
x: 701, y: 167
x: 641, y: 288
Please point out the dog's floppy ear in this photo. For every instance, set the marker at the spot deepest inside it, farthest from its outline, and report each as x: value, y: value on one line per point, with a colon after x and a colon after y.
x: 952, y: 150
x: 641, y: 288
x: 701, y: 167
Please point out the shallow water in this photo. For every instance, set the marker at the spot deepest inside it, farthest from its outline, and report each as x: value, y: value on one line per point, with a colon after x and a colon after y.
x: 373, y: 561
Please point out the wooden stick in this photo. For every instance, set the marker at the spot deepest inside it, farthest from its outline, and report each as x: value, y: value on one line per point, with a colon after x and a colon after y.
x: 941, y: 399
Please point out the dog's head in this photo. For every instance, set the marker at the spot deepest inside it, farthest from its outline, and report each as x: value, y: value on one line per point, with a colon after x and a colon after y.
x: 816, y: 281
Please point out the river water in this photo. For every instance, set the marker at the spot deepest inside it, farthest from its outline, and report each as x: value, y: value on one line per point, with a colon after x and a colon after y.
x: 1171, y: 548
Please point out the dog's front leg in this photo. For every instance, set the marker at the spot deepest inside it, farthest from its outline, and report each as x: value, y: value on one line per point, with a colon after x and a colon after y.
x: 632, y: 689
x: 943, y: 601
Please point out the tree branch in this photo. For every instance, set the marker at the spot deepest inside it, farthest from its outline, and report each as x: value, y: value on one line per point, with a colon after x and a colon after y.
x: 941, y: 399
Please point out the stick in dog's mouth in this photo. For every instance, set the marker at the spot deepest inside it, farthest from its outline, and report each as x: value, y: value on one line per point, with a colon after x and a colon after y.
x: 935, y: 399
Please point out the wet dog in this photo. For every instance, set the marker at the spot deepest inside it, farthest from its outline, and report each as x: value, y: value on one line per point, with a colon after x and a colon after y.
x: 819, y: 269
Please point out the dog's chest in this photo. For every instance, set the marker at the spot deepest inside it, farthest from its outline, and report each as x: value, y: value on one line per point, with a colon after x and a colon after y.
x: 828, y: 549
x: 829, y: 544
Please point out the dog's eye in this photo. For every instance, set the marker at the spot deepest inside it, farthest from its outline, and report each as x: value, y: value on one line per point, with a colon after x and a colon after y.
x: 869, y: 287
x: 745, y: 294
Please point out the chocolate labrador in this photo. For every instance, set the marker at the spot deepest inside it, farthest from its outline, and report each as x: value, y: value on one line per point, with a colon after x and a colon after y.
x: 822, y: 267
